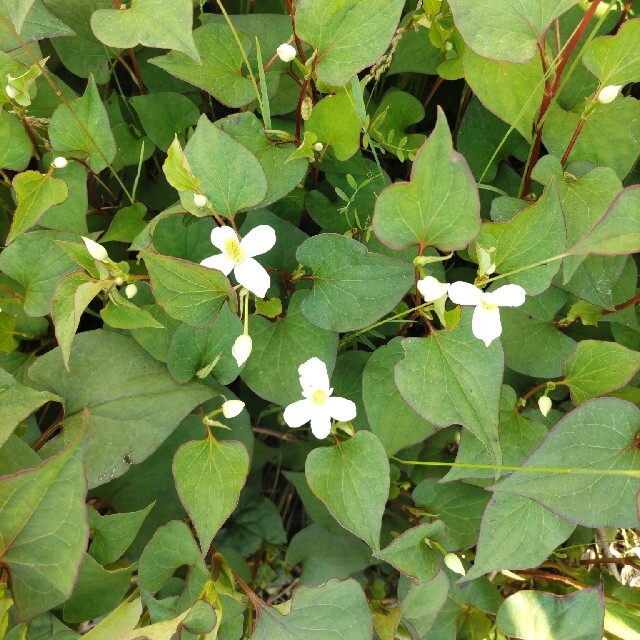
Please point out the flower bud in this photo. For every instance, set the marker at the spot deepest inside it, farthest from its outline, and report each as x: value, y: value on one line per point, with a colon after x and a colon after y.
x: 609, y: 93
x: 199, y: 200
x: 431, y: 289
x: 60, y: 162
x: 286, y: 52
x: 241, y: 349
x: 119, y: 281
x: 318, y: 146
x: 12, y: 92
x: 96, y: 251
x: 448, y: 46
x: 130, y: 290
x: 545, y: 404
x: 232, y: 408
x: 454, y: 563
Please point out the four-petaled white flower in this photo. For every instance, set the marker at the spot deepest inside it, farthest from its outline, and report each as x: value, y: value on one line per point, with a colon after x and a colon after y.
x: 237, y: 256
x: 486, y: 316
x: 431, y: 288
x: 286, y: 52
x: 318, y: 406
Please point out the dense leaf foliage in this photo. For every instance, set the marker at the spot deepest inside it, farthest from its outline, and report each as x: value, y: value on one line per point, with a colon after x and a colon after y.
x: 319, y: 319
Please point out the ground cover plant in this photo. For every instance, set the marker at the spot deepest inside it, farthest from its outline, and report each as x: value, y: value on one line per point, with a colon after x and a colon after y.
x: 319, y: 319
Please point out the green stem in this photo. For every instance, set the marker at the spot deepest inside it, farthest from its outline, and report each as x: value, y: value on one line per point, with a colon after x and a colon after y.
x: 529, y: 266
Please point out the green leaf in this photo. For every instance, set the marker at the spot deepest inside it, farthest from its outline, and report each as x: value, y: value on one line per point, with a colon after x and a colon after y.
x: 282, y: 176
x: 177, y: 170
x: 618, y: 231
x: 39, y: 508
x: 389, y: 416
x: 17, y: 403
x: 165, y: 114
x: 289, y: 342
x: 335, y: 123
x: 121, y: 313
x: 535, y: 234
x: 516, y: 533
x: 459, y: 506
x: 503, y: 31
x: 598, y: 435
x: 598, y: 367
x: 422, y: 603
x: 112, y: 534
x: 535, y: 615
x: 347, y: 34
x: 352, y: 479
x: 126, y: 224
x: 71, y: 298
x: 187, y: 291
x: 82, y: 129
x: 411, y: 552
x: 160, y: 24
x: 97, y: 591
x: 325, y: 555
x: 126, y: 392
x: 439, y: 207
x: 512, y: 92
x: 17, y: 148
x: 231, y: 176
x: 615, y: 59
x: 209, y: 476
x: 220, y: 71
x: 352, y: 287
x: 450, y: 377
x: 334, y: 611
x: 35, y: 193
x: 16, y: 11
x: 71, y: 215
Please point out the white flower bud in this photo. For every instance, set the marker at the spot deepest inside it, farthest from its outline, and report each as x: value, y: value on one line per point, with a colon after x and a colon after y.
x: 286, y: 52
x: 130, y: 290
x: 96, y: 251
x: 609, y: 93
x: 318, y: 146
x: 454, y: 563
x: 199, y: 200
x: 12, y: 92
x: 241, y: 349
x: 232, y: 408
x: 545, y: 404
x: 60, y: 162
x: 119, y: 281
x: 431, y: 289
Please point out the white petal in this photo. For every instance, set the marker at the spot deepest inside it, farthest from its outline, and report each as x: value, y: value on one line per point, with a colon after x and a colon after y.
x: 510, y: 295
x: 340, y: 409
x: 219, y: 262
x: 464, y: 293
x: 298, y: 413
x: 253, y: 276
x: 220, y: 236
x: 241, y: 349
x: 313, y: 376
x: 232, y: 408
x: 431, y: 288
x: 320, y: 425
x: 96, y: 251
x: 486, y: 324
x: 259, y: 240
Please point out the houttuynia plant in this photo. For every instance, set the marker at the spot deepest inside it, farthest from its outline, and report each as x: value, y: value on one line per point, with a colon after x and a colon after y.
x: 319, y: 319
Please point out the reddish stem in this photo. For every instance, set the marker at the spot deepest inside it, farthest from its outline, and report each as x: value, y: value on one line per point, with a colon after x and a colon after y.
x: 623, y: 16
x: 303, y: 94
x: 435, y: 87
x: 576, y: 133
x: 295, y: 35
x: 466, y: 98
x: 136, y: 70
x: 32, y: 137
x: 622, y: 306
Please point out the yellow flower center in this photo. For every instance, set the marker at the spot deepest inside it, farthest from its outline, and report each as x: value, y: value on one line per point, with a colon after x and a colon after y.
x: 234, y: 251
x: 318, y: 397
x: 488, y: 305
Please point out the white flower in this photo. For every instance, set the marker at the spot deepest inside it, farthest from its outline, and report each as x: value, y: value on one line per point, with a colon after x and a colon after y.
x: 130, y: 290
x: 432, y: 289
x: 199, y: 200
x: 609, y: 93
x: 60, y: 162
x: 454, y: 563
x: 96, y: 251
x: 486, y: 315
x: 545, y: 404
x: 12, y: 92
x: 318, y: 146
x: 232, y: 408
x: 286, y: 52
x: 318, y: 406
x: 241, y: 349
x: 237, y: 256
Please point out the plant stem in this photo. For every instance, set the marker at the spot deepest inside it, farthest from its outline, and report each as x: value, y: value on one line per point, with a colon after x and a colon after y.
x: 303, y: 95
x: 622, y: 306
x: 529, y: 266
x: 436, y: 86
x: 574, y: 137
